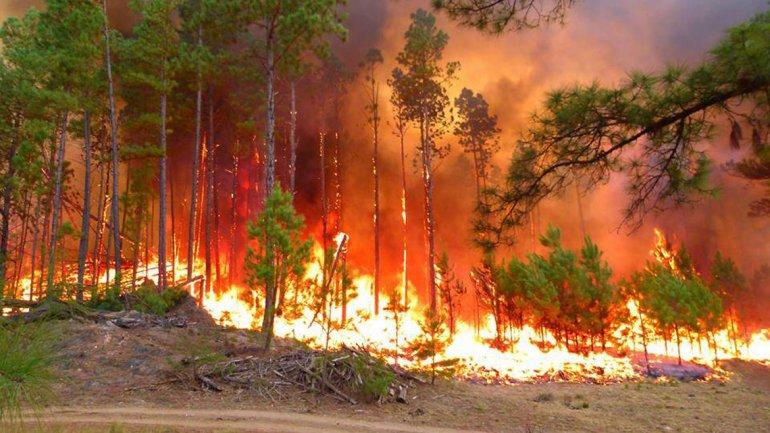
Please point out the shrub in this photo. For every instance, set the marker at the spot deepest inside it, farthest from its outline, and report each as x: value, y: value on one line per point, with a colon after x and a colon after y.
x: 26, y: 374
x: 376, y: 377
x: 147, y: 299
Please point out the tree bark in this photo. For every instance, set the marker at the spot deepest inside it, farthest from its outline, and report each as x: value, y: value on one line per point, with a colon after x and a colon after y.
x: 293, y: 138
x: 376, y: 216
x: 404, y: 227
x: 114, y: 211
x: 5, y: 213
x: 267, y: 320
x: 102, y: 207
x: 84, y: 226
x: 162, y: 191
x: 35, y: 236
x: 429, y: 221
x: 208, y: 216
x: 57, y: 194
x: 233, y: 216
x: 196, y: 167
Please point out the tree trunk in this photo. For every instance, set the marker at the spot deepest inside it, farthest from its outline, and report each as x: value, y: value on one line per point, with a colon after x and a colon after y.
x: 404, y: 227
x: 173, y: 231
x: 233, y: 216
x: 267, y: 320
x: 196, y: 167
x: 99, y: 224
x: 162, y: 192
x: 293, y: 138
x: 22, y: 244
x: 84, y: 227
x: 35, y: 236
x: 57, y: 199
x: 5, y: 226
x: 113, y: 150
x: 376, y: 216
x: 429, y: 222
x: 209, y: 220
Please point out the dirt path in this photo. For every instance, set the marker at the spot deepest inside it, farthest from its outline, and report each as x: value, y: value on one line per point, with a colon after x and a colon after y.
x: 229, y: 420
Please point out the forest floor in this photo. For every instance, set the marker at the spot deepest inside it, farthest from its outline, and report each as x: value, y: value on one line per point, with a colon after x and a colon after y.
x: 122, y: 380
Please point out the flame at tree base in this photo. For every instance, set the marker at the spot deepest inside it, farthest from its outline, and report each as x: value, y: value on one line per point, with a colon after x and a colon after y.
x: 528, y: 358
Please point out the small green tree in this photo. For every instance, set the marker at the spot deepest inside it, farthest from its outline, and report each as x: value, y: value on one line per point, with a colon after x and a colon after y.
x: 451, y: 289
x: 730, y: 285
x: 428, y: 347
x: 282, y: 252
x: 396, y: 309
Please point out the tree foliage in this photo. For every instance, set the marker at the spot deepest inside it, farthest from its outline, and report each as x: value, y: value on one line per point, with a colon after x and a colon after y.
x: 649, y: 128
x: 281, y: 254
x: 498, y: 16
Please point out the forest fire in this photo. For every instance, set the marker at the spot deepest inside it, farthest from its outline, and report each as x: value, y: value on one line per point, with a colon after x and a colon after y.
x: 364, y: 221
x: 531, y: 355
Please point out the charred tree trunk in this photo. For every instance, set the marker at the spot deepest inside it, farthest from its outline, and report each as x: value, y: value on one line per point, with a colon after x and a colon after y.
x: 233, y: 216
x: 84, y: 226
x: 5, y: 225
x: 376, y: 216
x: 113, y: 148
x: 293, y: 139
x: 196, y: 167
x: 404, y: 227
x: 22, y: 244
x: 33, y: 253
x: 162, y: 192
x: 99, y: 224
x: 57, y: 203
x: 173, y: 232
x: 209, y: 220
x: 429, y: 222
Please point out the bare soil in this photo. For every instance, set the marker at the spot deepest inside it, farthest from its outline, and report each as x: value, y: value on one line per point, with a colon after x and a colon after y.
x: 121, y: 380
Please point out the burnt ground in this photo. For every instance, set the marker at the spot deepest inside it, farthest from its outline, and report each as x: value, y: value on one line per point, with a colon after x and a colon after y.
x: 104, y: 366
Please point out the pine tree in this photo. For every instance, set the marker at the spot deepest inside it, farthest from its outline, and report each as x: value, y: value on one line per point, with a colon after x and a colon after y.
x: 649, y: 118
x: 282, y: 253
x: 420, y: 87
x: 477, y: 133
x: 152, y: 55
x: 372, y: 59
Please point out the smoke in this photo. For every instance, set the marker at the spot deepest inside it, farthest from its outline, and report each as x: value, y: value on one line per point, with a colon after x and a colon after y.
x: 602, y: 41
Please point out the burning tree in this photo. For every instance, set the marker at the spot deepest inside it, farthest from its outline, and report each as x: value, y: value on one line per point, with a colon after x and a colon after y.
x: 282, y: 254
x: 451, y: 290
x: 372, y: 59
x: 676, y: 303
x: 420, y: 92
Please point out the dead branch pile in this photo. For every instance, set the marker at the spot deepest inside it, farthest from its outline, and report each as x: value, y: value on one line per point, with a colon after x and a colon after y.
x: 348, y: 375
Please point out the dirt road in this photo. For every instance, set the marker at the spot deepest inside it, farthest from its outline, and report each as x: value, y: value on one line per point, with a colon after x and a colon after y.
x: 228, y: 420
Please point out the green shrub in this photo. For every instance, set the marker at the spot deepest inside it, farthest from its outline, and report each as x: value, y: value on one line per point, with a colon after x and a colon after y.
x: 26, y: 373
x: 55, y: 309
x: 147, y: 299
x: 376, y: 377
